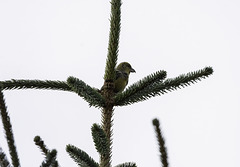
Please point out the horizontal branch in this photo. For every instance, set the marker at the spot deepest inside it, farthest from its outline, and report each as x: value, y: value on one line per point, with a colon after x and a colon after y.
x: 160, y: 88
x: 34, y: 84
x: 91, y: 95
x: 133, y: 89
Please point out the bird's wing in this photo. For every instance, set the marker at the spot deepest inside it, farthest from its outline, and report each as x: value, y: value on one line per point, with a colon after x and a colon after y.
x: 121, y: 74
x: 118, y: 74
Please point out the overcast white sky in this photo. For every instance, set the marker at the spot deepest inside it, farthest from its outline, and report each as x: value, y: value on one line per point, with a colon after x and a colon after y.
x: 54, y: 39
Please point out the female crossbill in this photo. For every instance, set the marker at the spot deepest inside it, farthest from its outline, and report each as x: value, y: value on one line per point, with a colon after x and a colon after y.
x: 123, y: 71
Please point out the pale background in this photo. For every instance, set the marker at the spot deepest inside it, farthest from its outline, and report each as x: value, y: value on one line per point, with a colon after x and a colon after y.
x: 54, y: 39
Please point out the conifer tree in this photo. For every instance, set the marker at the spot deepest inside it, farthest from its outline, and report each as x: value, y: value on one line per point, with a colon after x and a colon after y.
x: 154, y: 84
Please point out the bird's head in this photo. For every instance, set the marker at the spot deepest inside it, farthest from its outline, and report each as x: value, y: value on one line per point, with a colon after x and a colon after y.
x: 125, y: 67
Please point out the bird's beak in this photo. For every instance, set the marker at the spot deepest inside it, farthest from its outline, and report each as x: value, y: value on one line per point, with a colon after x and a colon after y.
x: 132, y: 70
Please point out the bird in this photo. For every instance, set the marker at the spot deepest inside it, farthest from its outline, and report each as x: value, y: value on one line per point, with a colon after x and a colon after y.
x: 123, y: 71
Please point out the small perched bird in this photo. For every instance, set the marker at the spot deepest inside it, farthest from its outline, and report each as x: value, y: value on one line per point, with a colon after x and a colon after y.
x: 122, y: 74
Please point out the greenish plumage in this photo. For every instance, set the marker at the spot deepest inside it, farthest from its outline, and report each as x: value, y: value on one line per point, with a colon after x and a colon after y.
x: 122, y: 74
